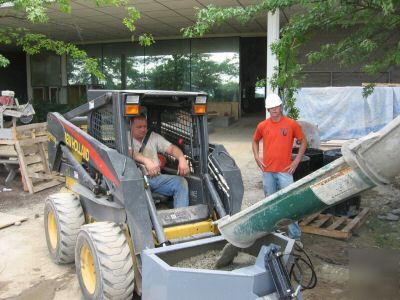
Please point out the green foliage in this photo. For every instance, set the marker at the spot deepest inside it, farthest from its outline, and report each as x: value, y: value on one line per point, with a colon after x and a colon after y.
x: 179, y: 71
x: 261, y: 82
x: 3, y: 61
x: 133, y: 16
x: 146, y: 40
x: 372, y: 39
x: 42, y: 108
x: 36, y: 11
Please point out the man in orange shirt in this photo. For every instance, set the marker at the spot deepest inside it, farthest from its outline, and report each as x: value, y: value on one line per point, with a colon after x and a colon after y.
x: 278, y: 133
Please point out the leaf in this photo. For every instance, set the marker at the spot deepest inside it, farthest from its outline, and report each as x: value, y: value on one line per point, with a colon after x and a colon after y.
x: 133, y: 16
x: 4, y: 62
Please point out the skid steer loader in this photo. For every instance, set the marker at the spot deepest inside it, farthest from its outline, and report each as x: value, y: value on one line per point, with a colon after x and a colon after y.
x: 110, y: 217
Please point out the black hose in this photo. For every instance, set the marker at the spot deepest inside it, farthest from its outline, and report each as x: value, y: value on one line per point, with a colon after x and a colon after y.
x: 296, y: 264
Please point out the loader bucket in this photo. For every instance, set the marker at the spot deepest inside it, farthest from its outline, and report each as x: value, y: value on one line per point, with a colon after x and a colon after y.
x: 165, y: 278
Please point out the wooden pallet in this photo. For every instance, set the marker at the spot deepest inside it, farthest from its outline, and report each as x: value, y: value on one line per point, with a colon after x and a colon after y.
x: 332, y: 226
x: 31, y: 146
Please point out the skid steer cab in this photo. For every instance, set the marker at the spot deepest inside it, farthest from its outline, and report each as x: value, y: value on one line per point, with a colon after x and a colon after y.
x: 108, y: 215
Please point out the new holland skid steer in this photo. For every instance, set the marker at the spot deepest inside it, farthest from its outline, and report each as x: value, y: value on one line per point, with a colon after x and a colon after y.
x: 109, y: 222
x: 121, y: 241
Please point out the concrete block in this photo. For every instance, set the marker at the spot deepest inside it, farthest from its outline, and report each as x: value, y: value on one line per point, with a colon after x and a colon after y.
x: 223, y: 121
x: 211, y: 127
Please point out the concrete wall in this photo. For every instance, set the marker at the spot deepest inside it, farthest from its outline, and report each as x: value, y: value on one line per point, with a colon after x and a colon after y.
x: 13, y: 77
x: 220, y: 109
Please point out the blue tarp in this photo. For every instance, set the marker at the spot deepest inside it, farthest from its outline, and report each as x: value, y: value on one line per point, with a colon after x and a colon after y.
x: 343, y: 113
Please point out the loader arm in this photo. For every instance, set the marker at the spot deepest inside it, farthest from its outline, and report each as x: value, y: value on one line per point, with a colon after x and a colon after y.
x: 120, y: 177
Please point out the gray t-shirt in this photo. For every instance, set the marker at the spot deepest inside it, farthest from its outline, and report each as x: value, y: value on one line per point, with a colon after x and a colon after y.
x: 155, y: 144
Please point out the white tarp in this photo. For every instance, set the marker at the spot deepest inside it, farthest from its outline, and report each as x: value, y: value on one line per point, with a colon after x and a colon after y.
x: 343, y: 113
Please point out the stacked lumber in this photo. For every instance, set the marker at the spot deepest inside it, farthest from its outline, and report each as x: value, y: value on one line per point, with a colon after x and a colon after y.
x: 28, y: 146
x: 31, y: 145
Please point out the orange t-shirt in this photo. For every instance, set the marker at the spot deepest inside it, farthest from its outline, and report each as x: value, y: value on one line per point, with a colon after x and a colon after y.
x: 278, y: 140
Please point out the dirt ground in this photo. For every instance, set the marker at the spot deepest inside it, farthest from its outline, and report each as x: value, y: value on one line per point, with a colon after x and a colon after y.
x: 26, y: 271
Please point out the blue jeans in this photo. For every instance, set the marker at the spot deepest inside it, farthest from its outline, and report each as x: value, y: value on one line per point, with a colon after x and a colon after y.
x: 171, y: 185
x: 275, y: 181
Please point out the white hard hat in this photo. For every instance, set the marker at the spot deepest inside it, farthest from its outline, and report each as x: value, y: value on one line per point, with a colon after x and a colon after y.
x: 272, y: 100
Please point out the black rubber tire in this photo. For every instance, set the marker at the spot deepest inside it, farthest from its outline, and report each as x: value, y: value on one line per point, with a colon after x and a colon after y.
x: 66, y: 212
x: 112, y: 261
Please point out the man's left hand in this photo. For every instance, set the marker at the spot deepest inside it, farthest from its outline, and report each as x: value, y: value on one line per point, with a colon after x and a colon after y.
x: 292, y: 167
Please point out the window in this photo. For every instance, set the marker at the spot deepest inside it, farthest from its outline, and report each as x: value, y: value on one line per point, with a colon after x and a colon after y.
x: 46, y: 69
x: 167, y: 65
x: 209, y: 65
x: 39, y: 93
x: 215, y: 68
x: 76, y: 72
x: 53, y: 94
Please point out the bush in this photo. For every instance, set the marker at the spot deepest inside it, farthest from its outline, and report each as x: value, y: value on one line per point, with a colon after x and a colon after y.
x: 42, y: 108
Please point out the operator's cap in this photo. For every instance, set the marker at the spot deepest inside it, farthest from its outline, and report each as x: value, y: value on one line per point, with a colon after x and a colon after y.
x: 272, y: 100
x: 8, y: 94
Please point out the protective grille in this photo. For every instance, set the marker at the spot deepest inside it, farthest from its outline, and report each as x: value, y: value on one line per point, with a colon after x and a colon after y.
x: 102, y: 127
x: 178, y: 127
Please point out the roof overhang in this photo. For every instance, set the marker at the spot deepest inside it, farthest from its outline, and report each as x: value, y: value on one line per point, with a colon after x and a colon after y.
x: 164, y: 19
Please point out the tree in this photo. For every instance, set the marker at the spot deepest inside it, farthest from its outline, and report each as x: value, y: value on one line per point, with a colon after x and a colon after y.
x: 372, y: 39
x: 216, y: 78
x: 33, y: 43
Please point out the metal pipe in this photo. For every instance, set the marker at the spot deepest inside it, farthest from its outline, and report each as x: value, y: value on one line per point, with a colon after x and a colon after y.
x: 89, y: 106
x: 367, y: 162
x: 84, y: 176
x: 79, y: 121
x: 158, y: 228
x: 215, y: 197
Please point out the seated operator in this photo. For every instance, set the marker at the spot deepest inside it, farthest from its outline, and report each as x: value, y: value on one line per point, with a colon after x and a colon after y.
x: 167, y: 185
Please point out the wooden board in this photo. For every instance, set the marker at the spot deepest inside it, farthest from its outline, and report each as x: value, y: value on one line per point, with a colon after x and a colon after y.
x: 8, y: 150
x: 332, y: 226
x: 31, y: 145
x: 8, y: 220
x: 28, y: 129
x: 45, y: 185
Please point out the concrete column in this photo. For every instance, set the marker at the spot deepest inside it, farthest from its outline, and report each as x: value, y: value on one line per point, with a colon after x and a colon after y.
x: 272, y: 36
x: 28, y: 78
x: 64, y: 81
x: 123, y: 71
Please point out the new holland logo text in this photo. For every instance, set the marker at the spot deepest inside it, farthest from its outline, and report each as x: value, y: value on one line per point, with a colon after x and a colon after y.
x: 71, y: 142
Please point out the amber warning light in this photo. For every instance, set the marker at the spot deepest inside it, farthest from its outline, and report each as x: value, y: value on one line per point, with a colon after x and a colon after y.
x: 132, y: 107
x: 200, y: 107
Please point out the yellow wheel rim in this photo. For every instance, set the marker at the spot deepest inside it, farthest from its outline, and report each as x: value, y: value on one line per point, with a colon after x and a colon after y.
x: 88, y: 269
x: 52, y: 229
